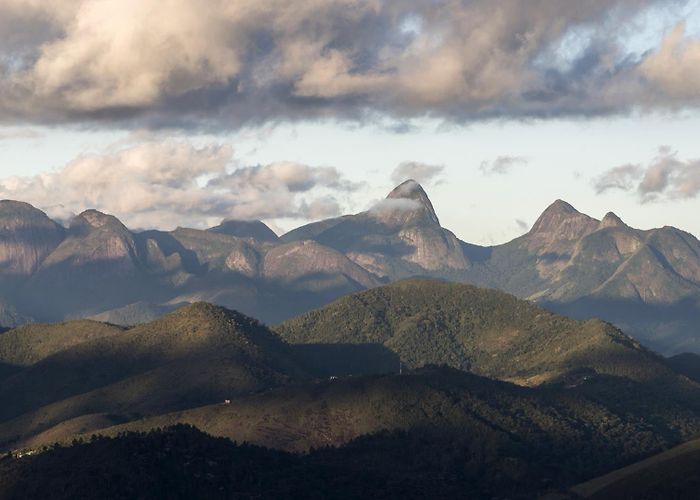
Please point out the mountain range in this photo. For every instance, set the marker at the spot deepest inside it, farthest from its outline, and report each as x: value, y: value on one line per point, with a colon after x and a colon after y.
x: 646, y: 282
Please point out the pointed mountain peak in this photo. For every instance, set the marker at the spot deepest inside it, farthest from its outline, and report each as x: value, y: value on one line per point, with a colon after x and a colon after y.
x: 255, y: 229
x: 96, y: 219
x: 562, y: 218
x: 409, y: 189
x: 561, y: 207
x: 612, y: 220
x: 413, y: 191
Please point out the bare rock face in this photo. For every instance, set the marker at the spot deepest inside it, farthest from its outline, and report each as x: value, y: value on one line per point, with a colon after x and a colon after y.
x: 554, y: 236
x: 95, y: 268
x: 611, y: 220
x: 434, y: 249
x: 95, y: 237
x: 398, y: 237
x: 680, y: 252
x: 411, y: 204
x: 243, y: 259
x: 410, y: 212
x: 27, y: 237
x: 559, y: 228
x: 308, y: 260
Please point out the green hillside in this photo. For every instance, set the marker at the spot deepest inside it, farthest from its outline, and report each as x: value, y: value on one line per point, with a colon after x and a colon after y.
x: 196, y: 355
x: 483, y: 331
x: 29, y: 344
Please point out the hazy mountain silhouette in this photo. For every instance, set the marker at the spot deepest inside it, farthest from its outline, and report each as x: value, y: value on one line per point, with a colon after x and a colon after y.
x: 646, y: 282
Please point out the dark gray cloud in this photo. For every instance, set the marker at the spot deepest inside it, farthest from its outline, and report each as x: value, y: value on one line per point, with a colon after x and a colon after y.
x: 229, y: 64
x: 666, y: 177
x: 424, y: 173
x: 501, y: 165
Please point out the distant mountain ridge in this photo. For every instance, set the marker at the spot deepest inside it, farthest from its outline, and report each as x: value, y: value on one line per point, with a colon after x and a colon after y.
x: 646, y: 282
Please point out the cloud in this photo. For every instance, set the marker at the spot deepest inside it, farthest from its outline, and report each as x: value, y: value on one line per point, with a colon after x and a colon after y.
x: 501, y: 165
x: 392, y: 205
x: 623, y: 177
x: 421, y: 172
x: 19, y: 133
x: 674, y: 69
x: 272, y: 191
x: 666, y: 177
x: 164, y: 63
x: 165, y: 184
x: 522, y: 225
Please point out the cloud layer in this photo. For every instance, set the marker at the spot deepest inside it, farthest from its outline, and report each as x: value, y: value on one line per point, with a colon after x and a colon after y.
x: 666, y: 177
x: 174, y: 183
x: 228, y: 64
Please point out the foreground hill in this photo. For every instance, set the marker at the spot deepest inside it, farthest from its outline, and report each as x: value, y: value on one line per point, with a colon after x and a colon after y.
x: 182, y: 462
x: 196, y: 355
x: 671, y: 475
x: 441, y: 430
x: 483, y: 331
x: 599, y: 401
x: 302, y: 417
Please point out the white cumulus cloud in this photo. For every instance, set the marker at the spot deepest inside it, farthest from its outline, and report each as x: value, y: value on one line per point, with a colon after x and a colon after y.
x: 169, y: 183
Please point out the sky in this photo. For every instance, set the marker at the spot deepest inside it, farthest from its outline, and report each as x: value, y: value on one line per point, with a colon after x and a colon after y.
x: 167, y: 113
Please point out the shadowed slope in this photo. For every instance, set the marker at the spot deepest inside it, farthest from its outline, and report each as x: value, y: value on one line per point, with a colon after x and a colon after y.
x: 559, y: 434
x: 484, y: 331
x: 182, y: 462
x: 27, y: 237
x: 196, y: 355
x: 671, y: 475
